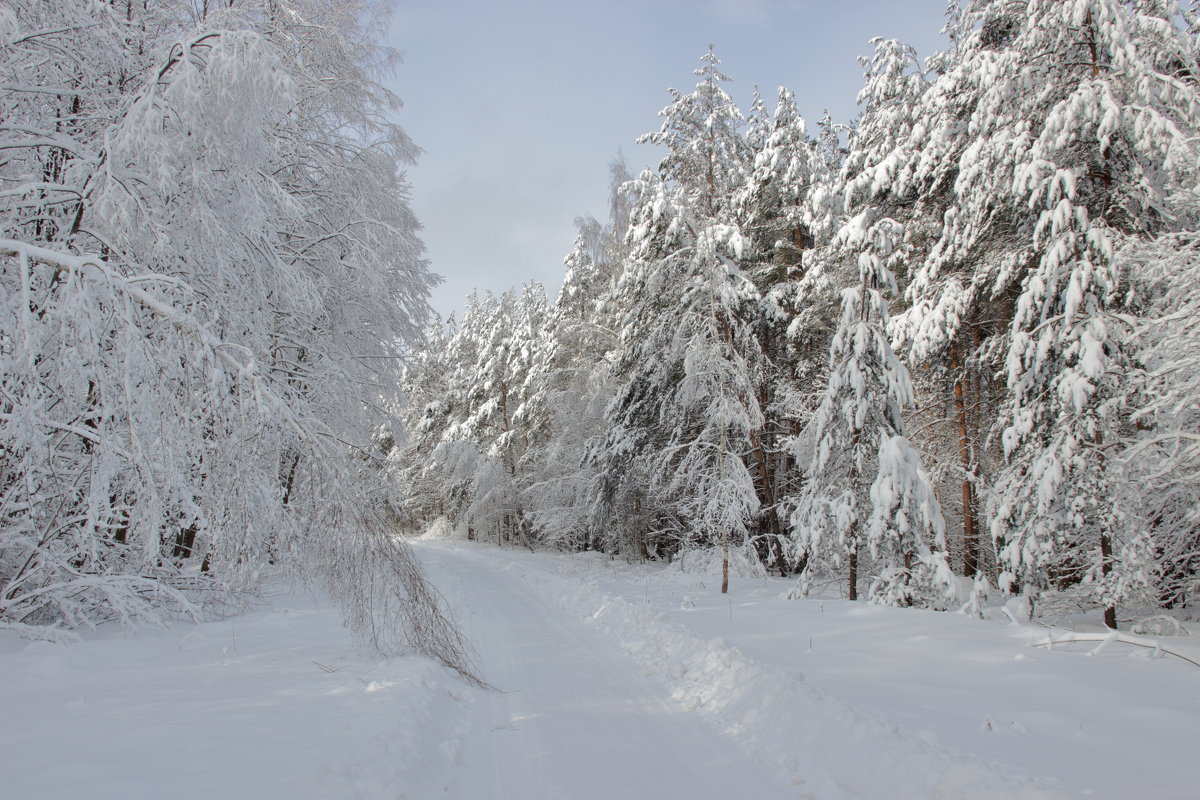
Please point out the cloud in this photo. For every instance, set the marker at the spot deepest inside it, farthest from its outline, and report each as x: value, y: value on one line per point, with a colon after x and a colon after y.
x: 743, y: 11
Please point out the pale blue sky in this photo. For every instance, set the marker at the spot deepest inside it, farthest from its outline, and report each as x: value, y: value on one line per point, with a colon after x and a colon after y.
x: 520, y: 105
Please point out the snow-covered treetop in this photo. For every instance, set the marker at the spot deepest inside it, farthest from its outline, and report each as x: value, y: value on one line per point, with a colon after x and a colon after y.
x: 706, y: 155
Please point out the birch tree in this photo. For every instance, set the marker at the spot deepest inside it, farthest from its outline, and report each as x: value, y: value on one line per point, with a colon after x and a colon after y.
x: 208, y: 267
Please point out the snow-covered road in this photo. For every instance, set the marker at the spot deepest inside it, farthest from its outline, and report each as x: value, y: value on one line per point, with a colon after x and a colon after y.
x: 574, y: 717
x: 641, y: 681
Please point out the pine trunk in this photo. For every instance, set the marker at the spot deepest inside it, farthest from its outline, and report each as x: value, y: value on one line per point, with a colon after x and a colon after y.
x: 970, y: 532
x: 725, y: 565
x: 1106, y: 550
x: 1110, y: 612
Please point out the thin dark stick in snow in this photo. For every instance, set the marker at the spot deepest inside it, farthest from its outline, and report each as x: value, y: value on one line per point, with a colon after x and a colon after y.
x: 1105, y: 639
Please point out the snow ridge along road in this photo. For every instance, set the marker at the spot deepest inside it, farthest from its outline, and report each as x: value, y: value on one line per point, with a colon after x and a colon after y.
x: 675, y: 715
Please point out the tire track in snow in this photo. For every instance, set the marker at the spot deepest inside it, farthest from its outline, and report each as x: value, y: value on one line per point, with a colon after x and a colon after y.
x: 575, y: 718
x: 831, y: 749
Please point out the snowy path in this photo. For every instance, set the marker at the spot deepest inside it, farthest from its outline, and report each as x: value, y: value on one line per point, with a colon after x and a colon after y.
x: 575, y: 718
x: 829, y: 699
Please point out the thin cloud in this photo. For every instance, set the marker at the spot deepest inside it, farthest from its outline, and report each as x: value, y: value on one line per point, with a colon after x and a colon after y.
x: 743, y: 11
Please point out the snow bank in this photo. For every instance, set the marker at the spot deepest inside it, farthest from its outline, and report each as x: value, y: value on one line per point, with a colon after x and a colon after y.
x: 276, y: 703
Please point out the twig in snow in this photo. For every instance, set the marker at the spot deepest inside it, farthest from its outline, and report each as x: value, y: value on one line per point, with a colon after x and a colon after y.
x: 1105, y: 639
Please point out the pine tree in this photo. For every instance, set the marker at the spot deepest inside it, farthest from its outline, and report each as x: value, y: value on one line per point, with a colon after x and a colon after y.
x: 1166, y: 452
x: 571, y: 380
x: 1093, y: 172
x: 685, y: 406
x: 776, y: 209
x: 706, y: 156
x: 1016, y: 202
x: 865, y: 483
x: 954, y: 324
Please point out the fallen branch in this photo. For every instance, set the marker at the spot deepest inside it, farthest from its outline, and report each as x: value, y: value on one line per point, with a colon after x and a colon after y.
x: 1105, y: 639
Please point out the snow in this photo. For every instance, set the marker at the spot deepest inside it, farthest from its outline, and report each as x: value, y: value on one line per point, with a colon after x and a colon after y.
x: 612, y: 680
x: 573, y: 717
x: 853, y: 700
x: 277, y: 703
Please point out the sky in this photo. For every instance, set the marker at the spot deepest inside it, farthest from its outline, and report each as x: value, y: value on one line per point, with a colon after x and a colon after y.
x: 519, y: 106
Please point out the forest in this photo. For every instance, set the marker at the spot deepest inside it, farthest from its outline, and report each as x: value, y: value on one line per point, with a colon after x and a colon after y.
x: 946, y: 350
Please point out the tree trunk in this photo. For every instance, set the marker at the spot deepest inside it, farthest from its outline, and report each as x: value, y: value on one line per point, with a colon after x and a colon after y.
x: 725, y: 564
x: 287, y: 475
x: 1110, y: 612
x: 970, y: 532
x: 1106, y: 550
x: 766, y: 496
